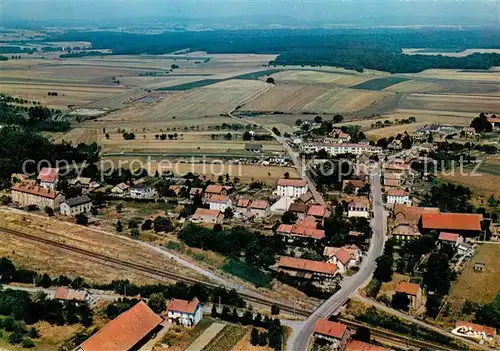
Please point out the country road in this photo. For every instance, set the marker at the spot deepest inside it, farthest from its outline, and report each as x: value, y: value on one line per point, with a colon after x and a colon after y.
x: 300, y: 341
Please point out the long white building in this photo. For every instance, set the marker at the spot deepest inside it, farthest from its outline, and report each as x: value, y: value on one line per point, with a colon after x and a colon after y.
x: 338, y: 149
x: 291, y: 187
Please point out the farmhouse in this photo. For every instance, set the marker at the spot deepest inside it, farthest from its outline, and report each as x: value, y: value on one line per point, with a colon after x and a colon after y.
x: 120, y: 189
x: 405, y: 232
x: 411, y: 214
x: 48, y: 177
x: 67, y: 294
x: 219, y: 202
x: 242, y: 206
x: 293, y: 188
x: 260, y: 208
x: 359, y: 207
x: 26, y: 194
x: 76, y: 206
x: 217, y: 190
x: 253, y: 147
x: 461, y: 223
x: 343, y: 257
x: 129, y: 331
x: 142, y: 192
x: 299, y: 233
x: 322, y: 272
x: 398, y: 196
x: 333, y: 333
x: 184, y: 312
x: 204, y: 215
x: 450, y: 239
x: 338, y: 149
x: 414, y: 293
x: 495, y: 121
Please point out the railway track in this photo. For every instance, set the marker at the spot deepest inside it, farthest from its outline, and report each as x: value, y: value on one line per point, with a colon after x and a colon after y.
x: 152, y: 272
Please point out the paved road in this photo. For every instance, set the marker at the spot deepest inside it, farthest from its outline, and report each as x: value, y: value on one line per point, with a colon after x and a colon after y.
x: 414, y: 320
x: 300, y: 341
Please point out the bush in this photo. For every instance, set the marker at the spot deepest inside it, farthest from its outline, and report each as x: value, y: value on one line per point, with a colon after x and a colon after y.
x: 275, y: 310
x: 16, y: 337
x: 81, y: 219
x: 49, y: 211
x: 32, y: 208
x: 162, y: 224
x: 27, y: 344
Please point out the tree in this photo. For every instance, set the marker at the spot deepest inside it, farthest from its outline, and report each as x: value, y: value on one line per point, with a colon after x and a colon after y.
x: 247, y: 136
x: 162, y: 224
x: 406, y: 143
x: 362, y: 334
x: 228, y: 213
x: 318, y: 119
x: 382, y: 142
x: 157, y: 302
x: 119, y: 208
x: 298, y: 122
x: 228, y: 136
x: 134, y: 233
x: 174, y: 66
x: 276, y: 131
x: 383, y: 272
x: 33, y: 333
x: 214, y: 313
x: 338, y: 118
x: 481, y: 124
x: 270, y: 80
x: 119, y: 227
x: 81, y: 219
x: 275, y: 332
x: 49, y: 211
x: 147, y: 225
x: 288, y: 218
x: 45, y: 281
x: 400, y: 301
x: 32, y: 208
x: 275, y: 309
x: 254, y: 337
x: 27, y: 344
x: 286, y: 175
x: 438, y: 274
x: 349, y: 189
x: 16, y: 337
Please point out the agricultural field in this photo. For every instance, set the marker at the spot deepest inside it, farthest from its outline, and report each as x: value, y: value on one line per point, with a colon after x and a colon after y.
x: 449, y: 52
x: 317, y: 77
x: 462, y: 75
x: 380, y: 83
x: 85, y: 238
x: 447, y: 102
x: 480, y: 287
x: 227, y: 338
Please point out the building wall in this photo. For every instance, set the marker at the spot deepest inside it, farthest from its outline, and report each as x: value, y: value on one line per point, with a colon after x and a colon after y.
x: 260, y: 213
x: 398, y: 199
x: 358, y: 212
x: 210, y: 219
x: 291, y: 191
x: 220, y: 206
x: 75, y: 210
x: 25, y: 199
x: 47, y: 185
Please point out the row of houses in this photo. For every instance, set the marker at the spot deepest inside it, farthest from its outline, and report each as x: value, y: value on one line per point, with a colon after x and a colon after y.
x: 340, y: 148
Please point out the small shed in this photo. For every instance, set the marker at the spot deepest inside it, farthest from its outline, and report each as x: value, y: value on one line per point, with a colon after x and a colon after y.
x: 253, y: 147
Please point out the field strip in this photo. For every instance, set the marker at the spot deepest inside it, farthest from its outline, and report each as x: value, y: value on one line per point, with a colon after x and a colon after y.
x: 204, y: 339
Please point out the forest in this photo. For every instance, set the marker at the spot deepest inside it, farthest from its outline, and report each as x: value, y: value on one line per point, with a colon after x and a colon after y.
x: 355, y: 49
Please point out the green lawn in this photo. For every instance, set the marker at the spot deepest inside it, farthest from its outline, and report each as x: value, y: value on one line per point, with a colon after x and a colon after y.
x: 247, y: 272
x: 380, y: 83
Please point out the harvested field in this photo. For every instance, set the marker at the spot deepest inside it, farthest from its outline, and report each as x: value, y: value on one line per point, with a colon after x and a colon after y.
x: 480, y: 181
x: 88, y: 239
x: 487, y: 76
x: 208, y: 101
x: 415, y: 86
x: 449, y: 52
x: 247, y: 173
x: 386, y: 132
x: 297, y: 99
x: 319, y: 77
x: 380, y: 83
x: 481, y: 287
x: 460, y: 103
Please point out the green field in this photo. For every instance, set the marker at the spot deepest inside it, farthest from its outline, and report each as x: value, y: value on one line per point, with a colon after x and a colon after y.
x: 247, y: 272
x: 488, y: 168
x: 380, y: 83
x: 192, y: 85
x: 257, y: 75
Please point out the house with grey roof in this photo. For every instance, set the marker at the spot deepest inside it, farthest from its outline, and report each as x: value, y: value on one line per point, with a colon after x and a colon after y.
x: 75, y: 206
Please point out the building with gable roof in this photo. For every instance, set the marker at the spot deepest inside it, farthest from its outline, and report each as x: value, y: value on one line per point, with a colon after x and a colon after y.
x: 414, y: 293
x: 219, y: 202
x: 292, y: 188
x: 26, y: 194
x: 344, y: 257
x: 48, y: 177
x: 75, y: 206
x: 333, y: 333
x: 185, y: 312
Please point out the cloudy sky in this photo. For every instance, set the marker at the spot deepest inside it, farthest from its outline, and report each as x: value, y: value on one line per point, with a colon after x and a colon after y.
x: 462, y: 12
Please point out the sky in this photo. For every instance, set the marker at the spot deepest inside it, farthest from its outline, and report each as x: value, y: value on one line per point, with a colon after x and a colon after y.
x: 322, y: 11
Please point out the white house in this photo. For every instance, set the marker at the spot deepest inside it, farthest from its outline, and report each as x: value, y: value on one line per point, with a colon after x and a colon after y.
x: 344, y: 257
x: 48, y: 177
x: 142, y: 192
x: 184, y: 312
x: 120, y: 189
x: 68, y: 294
x: 242, y: 206
x: 359, y: 207
x: 338, y: 149
x: 219, y: 202
x: 204, y: 215
x: 260, y: 208
x: 291, y: 187
x: 398, y: 196
x: 75, y: 206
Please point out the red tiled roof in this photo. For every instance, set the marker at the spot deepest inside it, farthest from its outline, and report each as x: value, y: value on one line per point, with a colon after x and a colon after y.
x: 308, y: 222
x: 317, y: 211
x: 183, y: 306
x: 291, y: 182
x: 477, y: 328
x: 214, y: 189
x: 356, y: 345
x: 125, y: 331
x: 408, y: 288
x: 195, y: 191
x: 259, y: 205
x: 205, y: 212
x: 332, y: 329
x: 357, y: 183
x: 494, y: 119
x: 63, y: 293
x: 452, y: 221
x: 48, y: 175
x: 243, y: 203
x: 412, y: 213
x: 301, y: 231
x: 391, y: 182
x: 307, y: 265
x: 359, y: 201
x: 218, y: 198
x: 448, y: 237
x: 35, y: 190
x: 343, y: 255
x: 397, y: 192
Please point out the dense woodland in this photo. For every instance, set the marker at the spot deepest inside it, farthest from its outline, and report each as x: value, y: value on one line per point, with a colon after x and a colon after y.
x: 379, y: 49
